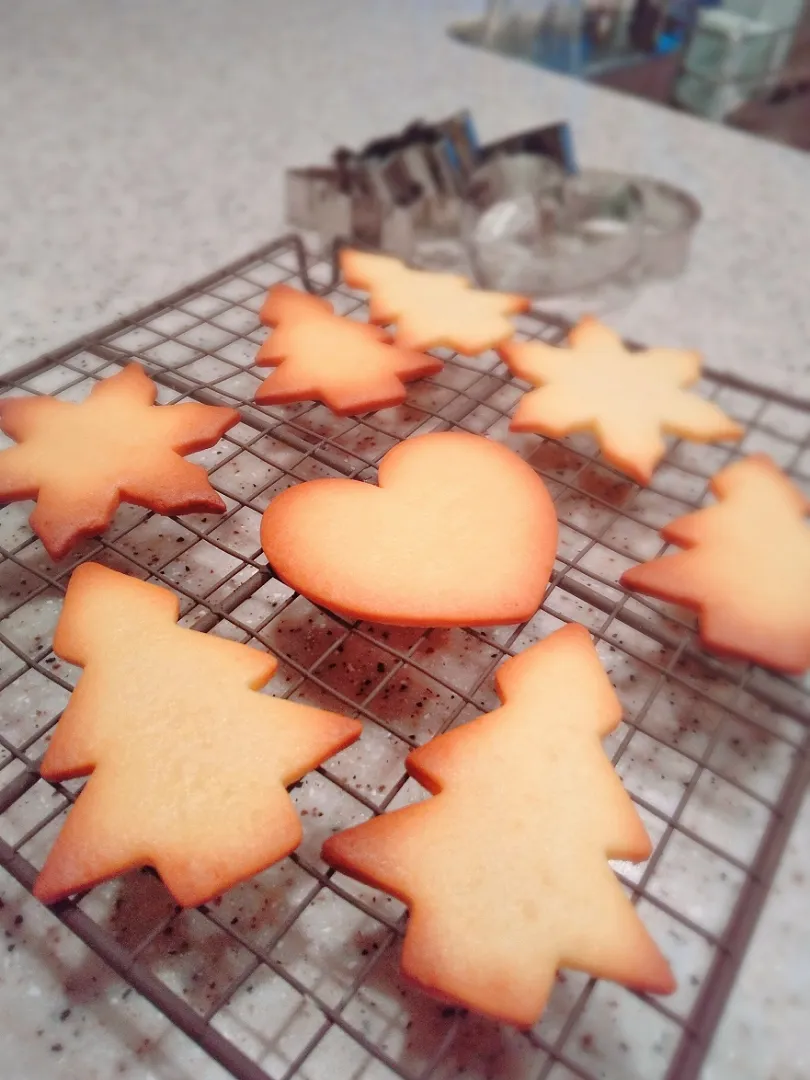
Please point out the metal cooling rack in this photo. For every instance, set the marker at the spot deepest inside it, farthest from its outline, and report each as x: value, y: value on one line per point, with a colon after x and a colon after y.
x: 294, y: 974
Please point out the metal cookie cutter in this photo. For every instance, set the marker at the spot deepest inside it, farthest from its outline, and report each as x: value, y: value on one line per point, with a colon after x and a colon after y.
x: 392, y: 191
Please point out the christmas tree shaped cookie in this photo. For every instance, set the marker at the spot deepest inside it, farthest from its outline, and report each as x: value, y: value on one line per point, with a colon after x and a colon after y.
x: 460, y: 531
x: 80, y: 461
x: 431, y: 309
x: 350, y: 366
x: 627, y: 400
x: 747, y: 570
x: 189, y: 765
x: 505, y: 869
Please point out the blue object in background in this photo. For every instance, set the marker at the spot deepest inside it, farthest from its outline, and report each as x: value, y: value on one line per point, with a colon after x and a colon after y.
x: 669, y: 41
x: 472, y: 134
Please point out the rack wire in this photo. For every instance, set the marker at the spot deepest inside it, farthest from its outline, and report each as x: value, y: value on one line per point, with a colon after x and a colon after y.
x: 294, y: 974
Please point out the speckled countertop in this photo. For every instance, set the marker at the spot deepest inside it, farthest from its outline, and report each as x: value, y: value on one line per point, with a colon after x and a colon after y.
x: 144, y: 145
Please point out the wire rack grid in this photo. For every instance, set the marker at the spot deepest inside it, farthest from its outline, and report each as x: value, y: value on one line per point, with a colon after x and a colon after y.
x: 294, y: 974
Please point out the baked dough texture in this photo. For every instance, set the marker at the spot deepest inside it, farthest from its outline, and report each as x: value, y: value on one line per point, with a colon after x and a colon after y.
x: 317, y: 355
x: 746, y: 570
x: 189, y: 765
x: 80, y: 461
x: 505, y: 869
x: 460, y: 531
x: 627, y: 400
x: 431, y: 310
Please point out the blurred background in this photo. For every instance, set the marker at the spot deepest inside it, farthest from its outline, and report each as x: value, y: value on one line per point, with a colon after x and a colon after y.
x: 745, y: 63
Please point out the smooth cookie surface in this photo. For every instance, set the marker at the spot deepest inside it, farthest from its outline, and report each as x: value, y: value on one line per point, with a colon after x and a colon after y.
x: 350, y: 366
x: 747, y: 568
x: 80, y: 461
x: 431, y: 309
x: 627, y: 400
x: 460, y: 531
x: 189, y: 765
x: 505, y: 869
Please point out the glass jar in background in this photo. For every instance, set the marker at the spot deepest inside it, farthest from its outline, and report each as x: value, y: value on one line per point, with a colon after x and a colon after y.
x: 573, y: 242
x: 545, y: 32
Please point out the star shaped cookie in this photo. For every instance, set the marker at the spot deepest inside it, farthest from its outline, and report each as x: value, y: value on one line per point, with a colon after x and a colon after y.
x: 79, y: 461
x: 627, y: 400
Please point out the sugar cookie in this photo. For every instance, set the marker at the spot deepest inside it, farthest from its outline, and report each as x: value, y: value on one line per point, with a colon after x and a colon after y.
x: 189, y: 765
x: 505, y: 869
x: 79, y: 461
x: 350, y: 366
x: 747, y: 570
x: 627, y: 400
x: 459, y: 532
x: 431, y: 309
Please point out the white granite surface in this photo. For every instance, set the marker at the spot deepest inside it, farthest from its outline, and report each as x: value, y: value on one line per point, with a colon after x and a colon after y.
x: 763, y: 1034
x: 144, y: 144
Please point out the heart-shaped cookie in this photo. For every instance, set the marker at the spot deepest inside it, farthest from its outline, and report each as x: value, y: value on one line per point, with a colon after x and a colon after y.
x: 459, y: 532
